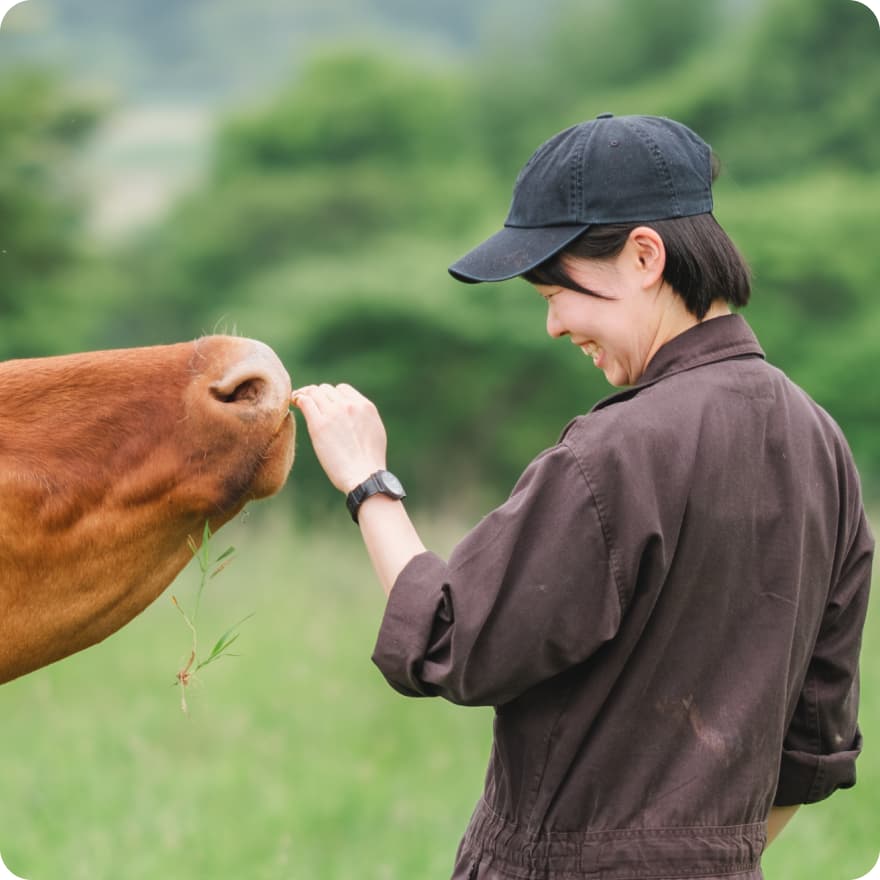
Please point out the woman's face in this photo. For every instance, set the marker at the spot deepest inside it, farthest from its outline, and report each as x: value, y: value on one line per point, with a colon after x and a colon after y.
x: 632, y: 314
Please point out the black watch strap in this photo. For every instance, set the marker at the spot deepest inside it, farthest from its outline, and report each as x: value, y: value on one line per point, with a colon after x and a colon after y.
x: 381, y: 482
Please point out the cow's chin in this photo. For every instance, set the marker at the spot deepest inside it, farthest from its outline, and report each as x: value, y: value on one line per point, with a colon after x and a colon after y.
x: 256, y: 478
x: 276, y: 462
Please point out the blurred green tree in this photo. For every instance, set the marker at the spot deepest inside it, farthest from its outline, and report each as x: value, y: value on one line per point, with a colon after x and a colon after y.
x: 41, y: 127
x: 350, y: 109
x: 353, y: 152
x: 802, y: 90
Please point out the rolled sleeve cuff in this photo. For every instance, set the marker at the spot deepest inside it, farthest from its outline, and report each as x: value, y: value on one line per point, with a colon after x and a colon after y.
x: 806, y: 778
x: 409, y: 623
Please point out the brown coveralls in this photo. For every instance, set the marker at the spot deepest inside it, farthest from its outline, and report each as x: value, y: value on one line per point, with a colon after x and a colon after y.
x: 666, y: 614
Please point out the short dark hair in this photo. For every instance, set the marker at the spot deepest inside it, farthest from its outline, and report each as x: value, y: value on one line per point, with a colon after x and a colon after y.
x: 702, y: 263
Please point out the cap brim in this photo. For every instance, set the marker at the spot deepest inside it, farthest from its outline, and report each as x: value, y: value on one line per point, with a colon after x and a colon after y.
x: 512, y: 251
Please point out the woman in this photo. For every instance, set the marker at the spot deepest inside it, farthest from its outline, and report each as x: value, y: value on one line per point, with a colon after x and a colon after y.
x: 667, y: 611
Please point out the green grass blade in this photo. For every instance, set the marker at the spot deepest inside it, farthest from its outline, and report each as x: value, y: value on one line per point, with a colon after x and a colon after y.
x: 225, y: 554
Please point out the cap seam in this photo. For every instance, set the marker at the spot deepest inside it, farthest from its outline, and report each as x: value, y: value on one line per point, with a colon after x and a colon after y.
x: 661, y: 165
x: 577, y: 188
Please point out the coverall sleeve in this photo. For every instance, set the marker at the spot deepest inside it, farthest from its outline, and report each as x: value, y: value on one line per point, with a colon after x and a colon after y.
x: 525, y: 595
x: 823, y: 739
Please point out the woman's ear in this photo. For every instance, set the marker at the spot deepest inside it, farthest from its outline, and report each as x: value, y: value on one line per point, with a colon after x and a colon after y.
x: 647, y: 254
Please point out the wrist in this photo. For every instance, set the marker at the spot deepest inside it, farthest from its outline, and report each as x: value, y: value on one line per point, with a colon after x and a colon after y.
x: 360, y: 476
x: 379, y: 482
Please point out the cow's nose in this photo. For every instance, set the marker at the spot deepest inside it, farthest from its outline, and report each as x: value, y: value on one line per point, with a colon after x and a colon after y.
x: 255, y: 382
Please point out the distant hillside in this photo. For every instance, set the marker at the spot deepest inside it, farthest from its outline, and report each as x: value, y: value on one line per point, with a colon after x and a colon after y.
x: 222, y: 50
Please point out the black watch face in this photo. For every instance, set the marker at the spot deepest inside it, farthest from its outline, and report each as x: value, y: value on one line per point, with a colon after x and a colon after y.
x: 391, y: 482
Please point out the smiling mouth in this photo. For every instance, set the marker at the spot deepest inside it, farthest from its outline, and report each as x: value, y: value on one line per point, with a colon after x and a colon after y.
x: 591, y: 350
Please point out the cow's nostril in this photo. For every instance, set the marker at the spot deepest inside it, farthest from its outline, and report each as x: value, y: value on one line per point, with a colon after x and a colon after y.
x: 249, y: 376
x: 247, y: 391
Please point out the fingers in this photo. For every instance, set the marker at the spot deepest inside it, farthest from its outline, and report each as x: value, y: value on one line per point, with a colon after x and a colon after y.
x: 346, y: 431
x: 323, y: 397
x: 305, y: 404
x: 312, y: 398
x: 322, y: 403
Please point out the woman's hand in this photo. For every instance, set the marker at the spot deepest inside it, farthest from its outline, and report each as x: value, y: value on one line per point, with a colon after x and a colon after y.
x: 346, y: 431
x: 349, y: 439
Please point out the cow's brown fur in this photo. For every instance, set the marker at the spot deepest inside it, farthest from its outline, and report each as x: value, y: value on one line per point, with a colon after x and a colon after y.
x: 108, y: 461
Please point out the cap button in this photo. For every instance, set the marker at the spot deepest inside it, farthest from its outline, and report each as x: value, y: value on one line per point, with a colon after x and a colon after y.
x: 605, y: 116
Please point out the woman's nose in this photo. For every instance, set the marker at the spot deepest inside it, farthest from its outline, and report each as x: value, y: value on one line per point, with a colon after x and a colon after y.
x: 554, y: 326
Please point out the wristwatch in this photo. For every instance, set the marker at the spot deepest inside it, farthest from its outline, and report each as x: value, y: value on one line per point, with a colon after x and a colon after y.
x: 383, y: 482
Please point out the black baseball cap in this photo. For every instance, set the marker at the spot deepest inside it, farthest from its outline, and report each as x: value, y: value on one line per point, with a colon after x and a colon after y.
x: 611, y: 169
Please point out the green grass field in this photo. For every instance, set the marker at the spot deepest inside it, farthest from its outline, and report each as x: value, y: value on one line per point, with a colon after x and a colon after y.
x: 296, y: 760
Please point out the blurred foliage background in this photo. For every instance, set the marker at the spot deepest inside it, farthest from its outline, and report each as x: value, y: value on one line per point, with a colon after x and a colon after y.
x: 303, y: 172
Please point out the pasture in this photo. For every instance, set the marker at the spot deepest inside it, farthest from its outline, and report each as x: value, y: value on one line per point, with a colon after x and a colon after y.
x: 296, y: 760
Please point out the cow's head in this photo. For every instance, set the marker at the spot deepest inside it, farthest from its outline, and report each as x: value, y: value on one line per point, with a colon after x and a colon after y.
x: 108, y: 462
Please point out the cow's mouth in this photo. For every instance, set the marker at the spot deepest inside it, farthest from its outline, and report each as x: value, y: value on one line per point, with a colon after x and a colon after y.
x: 276, y: 460
x: 288, y: 416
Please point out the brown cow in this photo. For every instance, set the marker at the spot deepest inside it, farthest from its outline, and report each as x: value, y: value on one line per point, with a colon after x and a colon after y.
x: 108, y: 462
